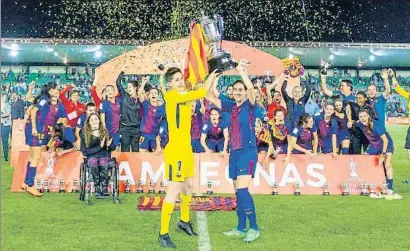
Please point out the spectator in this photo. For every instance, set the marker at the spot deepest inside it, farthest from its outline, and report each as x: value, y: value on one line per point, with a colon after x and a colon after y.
x: 17, y: 107
x: 274, y: 98
x: 5, y: 126
x: 97, y: 145
x: 312, y: 108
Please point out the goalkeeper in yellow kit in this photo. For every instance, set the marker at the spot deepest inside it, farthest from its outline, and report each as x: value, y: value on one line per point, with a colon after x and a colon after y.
x: 178, y: 156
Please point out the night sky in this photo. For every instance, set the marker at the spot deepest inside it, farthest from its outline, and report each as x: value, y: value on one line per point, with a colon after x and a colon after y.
x: 357, y: 21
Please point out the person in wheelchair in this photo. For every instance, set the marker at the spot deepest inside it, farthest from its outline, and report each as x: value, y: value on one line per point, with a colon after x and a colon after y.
x: 96, y: 146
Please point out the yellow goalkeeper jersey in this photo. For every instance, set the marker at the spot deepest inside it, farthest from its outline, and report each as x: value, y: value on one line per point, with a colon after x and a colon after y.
x: 405, y: 94
x: 178, y: 112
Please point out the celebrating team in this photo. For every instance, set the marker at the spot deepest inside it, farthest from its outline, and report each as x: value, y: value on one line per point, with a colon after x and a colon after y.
x: 248, y: 120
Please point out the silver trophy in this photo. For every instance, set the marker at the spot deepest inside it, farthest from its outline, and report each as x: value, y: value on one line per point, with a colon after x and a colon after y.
x: 38, y: 185
x: 46, y: 189
x: 364, y: 189
x: 127, y: 186
x: 75, y: 187
x: 384, y: 188
x: 162, y: 187
x: 345, y: 192
x: 213, y: 30
x: 209, y: 188
x: 151, y: 186
x: 139, y: 189
x: 275, y: 188
x: 62, y: 187
x: 372, y: 189
x: 297, y: 189
x: 326, y: 189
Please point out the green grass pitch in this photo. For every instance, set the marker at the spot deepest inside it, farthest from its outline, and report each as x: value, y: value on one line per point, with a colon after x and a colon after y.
x: 62, y: 222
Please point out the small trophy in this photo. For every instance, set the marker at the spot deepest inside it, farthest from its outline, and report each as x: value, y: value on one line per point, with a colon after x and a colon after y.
x: 275, y: 188
x: 323, y: 68
x: 344, y: 187
x: 46, y: 189
x: 139, y: 189
x: 151, y: 186
x: 75, y: 187
x: 62, y: 187
x: 38, y: 185
x: 326, y: 189
x: 162, y: 187
x: 372, y: 189
x: 127, y: 186
x: 209, y: 188
x: 297, y: 189
x: 364, y: 190
x: 384, y: 188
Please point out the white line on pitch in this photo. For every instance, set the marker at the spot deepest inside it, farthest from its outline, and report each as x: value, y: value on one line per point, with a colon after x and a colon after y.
x: 204, y: 243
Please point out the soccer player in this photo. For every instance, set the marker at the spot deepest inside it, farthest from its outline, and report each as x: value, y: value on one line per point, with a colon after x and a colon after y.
x: 327, y: 130
x: 343, y: 133
x: 358, y: 141
x: 178, y: 156
x: 34, y: 133
x: 279, y: 134
x: 304, y: 139
x: 295, y: 106
x: 345, y: 89
x: 110, y: 114
x: 380, y: 144
x: 229, y: 92
x: 243, y: 156
x: 406, y: 95
x: 90, y: 108
x: 378, y: 102
x: 215, y: 136
x: 73, y: 107
x: 198, y: 108
x: 262, y: 137
x: 152, y: 114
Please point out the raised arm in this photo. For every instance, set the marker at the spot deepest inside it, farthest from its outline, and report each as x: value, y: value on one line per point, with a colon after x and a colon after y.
x: 63, y: 96
x: 120, y: 88
x: 385, y: 76
x: 271, y: 86
x: 141, y: 92
x: 400, y: 90
x: 308, y: 91
x: 29, y: 95
x: 213, y: 94
x: 243, y: 72
x: 323, y: 86
x: 283, y: 89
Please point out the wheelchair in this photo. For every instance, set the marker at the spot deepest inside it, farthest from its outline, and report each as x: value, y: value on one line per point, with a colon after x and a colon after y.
x: 87, y: 182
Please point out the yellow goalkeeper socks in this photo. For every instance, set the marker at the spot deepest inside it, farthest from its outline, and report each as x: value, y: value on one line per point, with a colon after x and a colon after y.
x: 185, y: 206
x: 166, y: 214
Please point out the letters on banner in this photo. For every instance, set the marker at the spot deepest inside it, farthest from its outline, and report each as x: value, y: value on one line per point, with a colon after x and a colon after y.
x: 310, y: 173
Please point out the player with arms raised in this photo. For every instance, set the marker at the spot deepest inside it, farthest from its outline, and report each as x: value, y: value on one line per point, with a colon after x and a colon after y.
x: 243, y: 156
x: 178, y: 156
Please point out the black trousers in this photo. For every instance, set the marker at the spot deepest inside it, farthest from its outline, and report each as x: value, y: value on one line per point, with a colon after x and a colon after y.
x: 357, y: 142
x: 130, y: 138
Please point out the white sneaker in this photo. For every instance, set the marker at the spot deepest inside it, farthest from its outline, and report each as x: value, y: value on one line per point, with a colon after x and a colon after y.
x: 392, y: 196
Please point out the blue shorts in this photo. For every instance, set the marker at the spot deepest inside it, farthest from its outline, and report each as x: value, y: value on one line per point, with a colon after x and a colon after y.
x: 39, y: 140
x: 242, y: 162
x: 263, y: 148
x: 115, y: 138
x: 325, y: 149
x: 376, y: 151
x: 164, y: 141
x: 215, y: 146
x: 196, y: 146
x: 342, y: 135
x: 147, y: 144
x: 69, y: 134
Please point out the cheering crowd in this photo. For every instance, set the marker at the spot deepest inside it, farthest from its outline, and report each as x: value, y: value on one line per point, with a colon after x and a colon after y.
x: 133, y: 118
